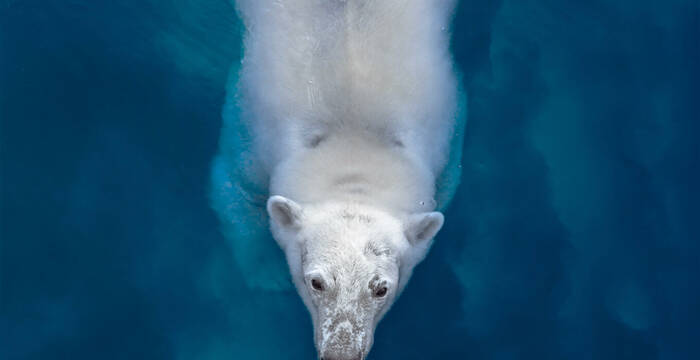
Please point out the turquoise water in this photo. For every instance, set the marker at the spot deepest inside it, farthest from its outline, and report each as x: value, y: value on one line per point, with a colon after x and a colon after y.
x: 574, y: 234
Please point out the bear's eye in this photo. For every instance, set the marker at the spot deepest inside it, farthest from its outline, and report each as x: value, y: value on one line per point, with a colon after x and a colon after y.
x: 381, y: 291
x: 317, y: 284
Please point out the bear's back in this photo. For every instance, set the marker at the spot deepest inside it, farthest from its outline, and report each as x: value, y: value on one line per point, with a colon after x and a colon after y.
x: 317, y: 66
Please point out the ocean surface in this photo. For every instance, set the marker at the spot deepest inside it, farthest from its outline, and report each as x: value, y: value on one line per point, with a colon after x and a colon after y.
x: 574, y: 234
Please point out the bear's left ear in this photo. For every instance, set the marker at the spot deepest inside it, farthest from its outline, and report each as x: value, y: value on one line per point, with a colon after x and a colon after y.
x: 284, y: 212
x: 420, y: 228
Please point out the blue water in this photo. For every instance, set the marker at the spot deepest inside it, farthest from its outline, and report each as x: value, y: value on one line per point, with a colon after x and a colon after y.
x: 574, y: 234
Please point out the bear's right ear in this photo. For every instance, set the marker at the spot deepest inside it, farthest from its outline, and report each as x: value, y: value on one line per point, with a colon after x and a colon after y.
x: 284, y: 212
x: 423, y: 227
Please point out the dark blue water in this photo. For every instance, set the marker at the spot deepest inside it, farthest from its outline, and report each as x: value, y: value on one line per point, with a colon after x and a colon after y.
x: 574, y: 234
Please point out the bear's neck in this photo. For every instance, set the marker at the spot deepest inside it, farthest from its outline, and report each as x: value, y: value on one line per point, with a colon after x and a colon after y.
x: 356, y: 171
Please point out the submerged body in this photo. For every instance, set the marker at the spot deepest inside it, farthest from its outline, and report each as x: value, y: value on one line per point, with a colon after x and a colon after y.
x: 379, y: 71
x: 348, y: 110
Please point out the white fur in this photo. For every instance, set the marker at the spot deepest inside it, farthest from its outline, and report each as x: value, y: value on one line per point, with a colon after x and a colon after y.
x: 348, y: 112
x: 351, y: 248
x: 322, y: 67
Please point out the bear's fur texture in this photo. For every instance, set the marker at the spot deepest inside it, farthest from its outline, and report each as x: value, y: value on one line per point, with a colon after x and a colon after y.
x: 346, y: 123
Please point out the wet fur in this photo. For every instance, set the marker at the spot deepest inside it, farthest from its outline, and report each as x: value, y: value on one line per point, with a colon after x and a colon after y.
x: 347, y: 113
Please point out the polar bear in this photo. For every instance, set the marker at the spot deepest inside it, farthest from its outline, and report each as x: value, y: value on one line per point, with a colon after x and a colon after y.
x: 344, y: 127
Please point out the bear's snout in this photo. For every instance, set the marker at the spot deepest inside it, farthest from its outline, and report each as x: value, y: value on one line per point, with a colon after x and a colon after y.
x: 356, y: 357
x: 344, y: 336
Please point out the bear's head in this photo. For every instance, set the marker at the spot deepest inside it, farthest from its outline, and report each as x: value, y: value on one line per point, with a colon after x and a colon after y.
x: 349, y: 262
